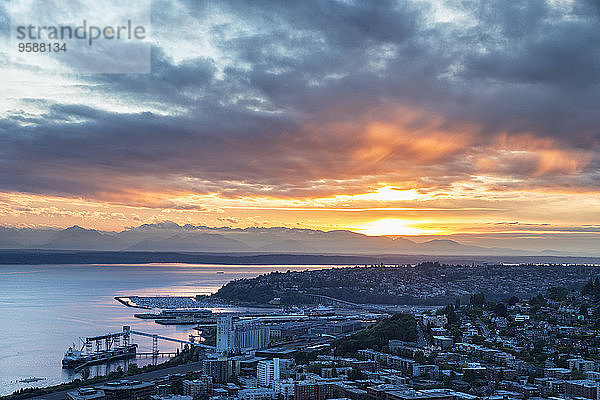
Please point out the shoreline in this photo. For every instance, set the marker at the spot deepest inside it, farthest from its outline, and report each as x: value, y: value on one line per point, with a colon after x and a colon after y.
x: 79, y: 257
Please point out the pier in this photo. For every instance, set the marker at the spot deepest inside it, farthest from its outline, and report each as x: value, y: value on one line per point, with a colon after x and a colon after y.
x: 155, y: 339
x: 159, y: 355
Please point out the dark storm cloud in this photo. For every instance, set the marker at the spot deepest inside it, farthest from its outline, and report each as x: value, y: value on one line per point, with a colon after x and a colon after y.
x: 306, y: 80
x: 168, y: 82
x: 541, y: 67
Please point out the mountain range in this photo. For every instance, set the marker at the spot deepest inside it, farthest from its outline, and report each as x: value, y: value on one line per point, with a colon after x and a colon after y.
x: 169, y: 236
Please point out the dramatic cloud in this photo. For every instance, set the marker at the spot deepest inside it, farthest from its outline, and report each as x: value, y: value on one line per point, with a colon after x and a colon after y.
x: 279, y: 101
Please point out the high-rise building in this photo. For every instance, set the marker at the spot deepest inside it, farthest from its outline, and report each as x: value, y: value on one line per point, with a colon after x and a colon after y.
x: 225, y: 335
x: 267, y: 372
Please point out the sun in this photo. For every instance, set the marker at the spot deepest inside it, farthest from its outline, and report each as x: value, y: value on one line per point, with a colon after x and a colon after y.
x: 391, y: 227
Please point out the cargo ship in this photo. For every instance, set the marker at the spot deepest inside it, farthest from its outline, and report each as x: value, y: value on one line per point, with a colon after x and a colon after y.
x: 74, y: 358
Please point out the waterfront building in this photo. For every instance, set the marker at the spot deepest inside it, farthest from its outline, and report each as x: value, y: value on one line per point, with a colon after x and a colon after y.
x: 251, y: 335
x: 241, y: 336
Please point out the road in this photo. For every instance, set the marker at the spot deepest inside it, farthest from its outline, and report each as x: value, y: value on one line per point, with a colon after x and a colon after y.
x: 339, y: 302
x: 145, y: 377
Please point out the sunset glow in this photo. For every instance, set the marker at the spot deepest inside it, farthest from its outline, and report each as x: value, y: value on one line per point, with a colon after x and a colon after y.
x: 391, y: 227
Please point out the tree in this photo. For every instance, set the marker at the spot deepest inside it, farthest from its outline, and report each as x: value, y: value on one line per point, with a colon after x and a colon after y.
x: 576, y: 374
x: 315, y: 368
x: 85, y: 373
x: 420, y: 357
x: 451, y: 315
x: 538, y: 300
x: 591, y: 288
x: 446, y: 381
x: 500, y: 310
x: 469, y: 375
x: 588, y: 288
x: 399, y: 326
x: 558, y: 293
x: 478, y: 339
x: 513, y: 300
x: 177, y: 386
x: 500, y: 376
x: 477, y: 300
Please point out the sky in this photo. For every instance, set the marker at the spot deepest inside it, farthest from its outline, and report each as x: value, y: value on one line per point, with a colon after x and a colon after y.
x: 469, y: 119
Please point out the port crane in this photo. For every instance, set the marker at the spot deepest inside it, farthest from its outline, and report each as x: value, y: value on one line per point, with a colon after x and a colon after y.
x: 104, y: 343
x: 103, y: 348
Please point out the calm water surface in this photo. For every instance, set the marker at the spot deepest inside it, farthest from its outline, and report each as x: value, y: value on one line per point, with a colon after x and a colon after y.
x: 45, y: 308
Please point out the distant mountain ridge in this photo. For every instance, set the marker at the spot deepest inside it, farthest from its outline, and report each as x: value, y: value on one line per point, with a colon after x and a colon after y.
x: 204, y: 242
x: 169, y: 236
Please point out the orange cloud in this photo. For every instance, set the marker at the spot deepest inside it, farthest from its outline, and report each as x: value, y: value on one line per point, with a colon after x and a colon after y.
x: 383, y: 141
x: 549, y: 155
